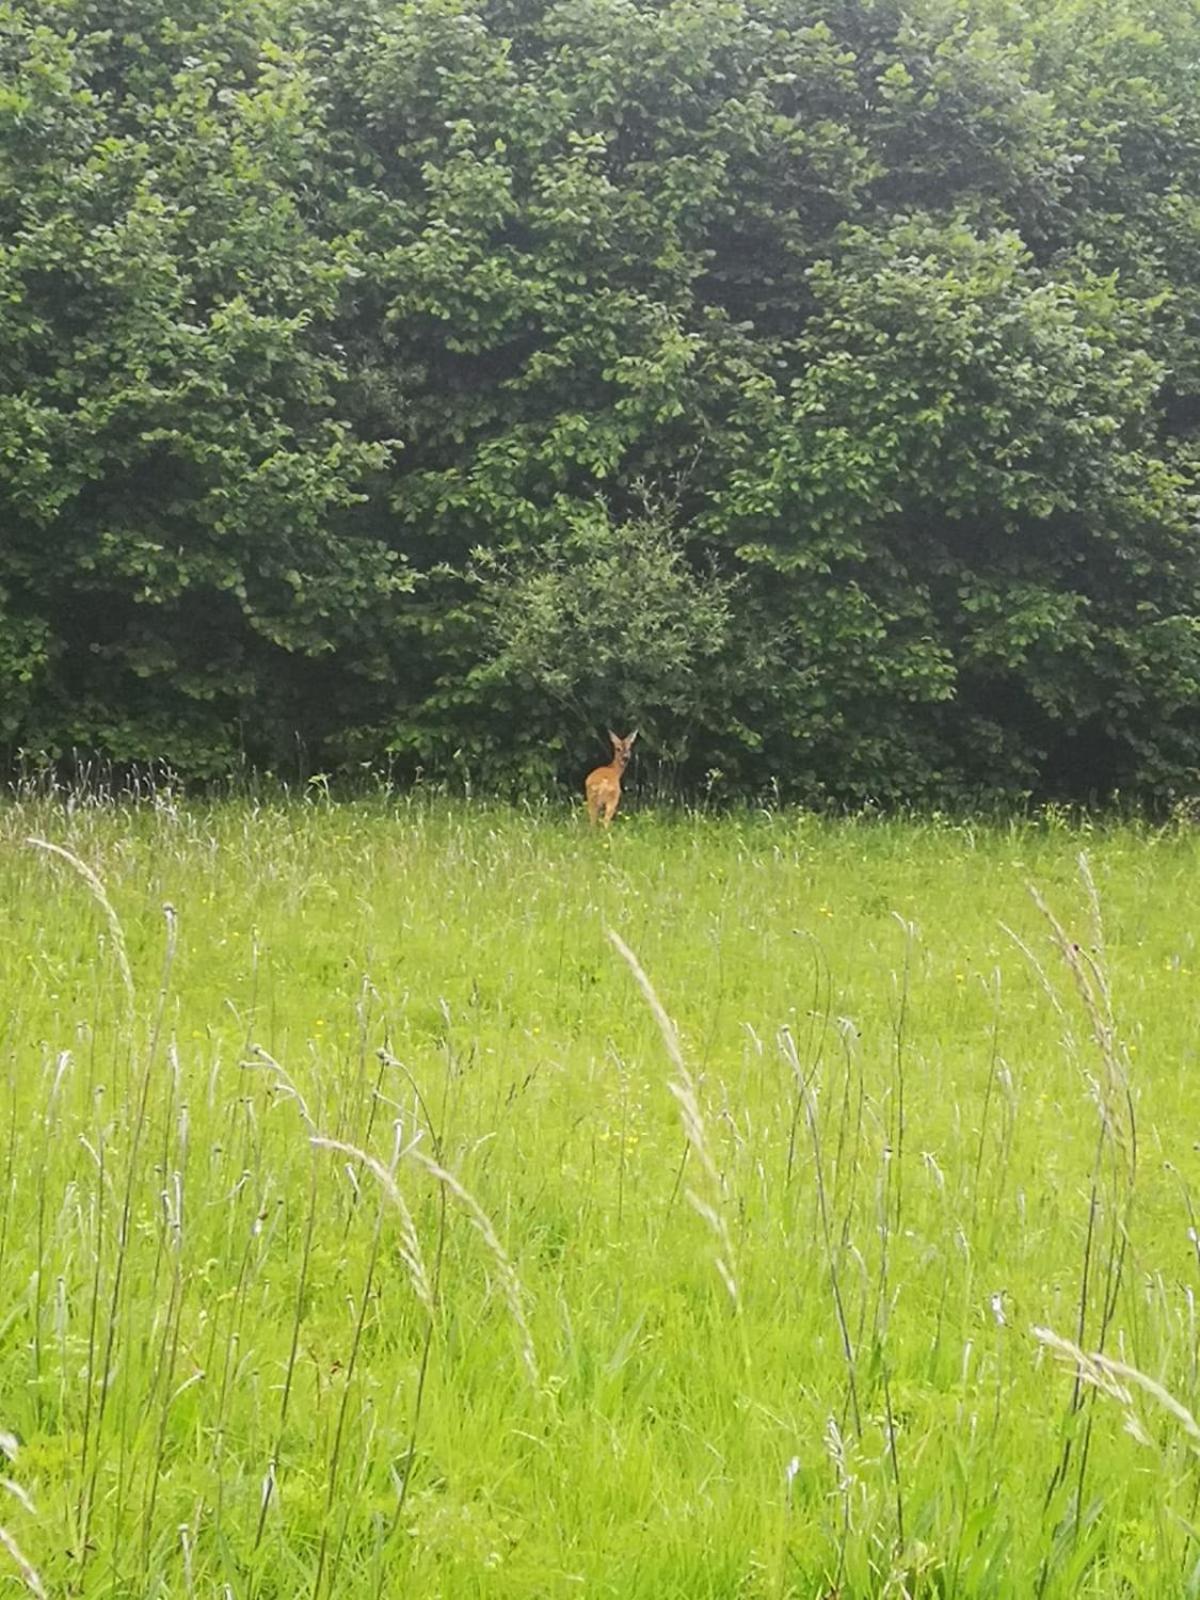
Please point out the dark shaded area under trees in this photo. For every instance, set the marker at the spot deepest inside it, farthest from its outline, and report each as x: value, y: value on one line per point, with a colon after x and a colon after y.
x: 813, y: 383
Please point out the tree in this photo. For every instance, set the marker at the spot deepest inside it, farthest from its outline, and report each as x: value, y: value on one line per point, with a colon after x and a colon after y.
x: 343, y: 345
x: 179, y: 495
x: 606, y: 621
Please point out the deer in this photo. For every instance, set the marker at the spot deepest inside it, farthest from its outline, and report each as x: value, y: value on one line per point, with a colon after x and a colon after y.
x: 603, y: 786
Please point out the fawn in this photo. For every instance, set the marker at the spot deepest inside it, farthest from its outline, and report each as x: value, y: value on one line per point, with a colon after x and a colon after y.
x: 603, y: 786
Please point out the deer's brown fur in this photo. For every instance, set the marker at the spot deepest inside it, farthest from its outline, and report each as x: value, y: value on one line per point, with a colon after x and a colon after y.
x: 603, y: 785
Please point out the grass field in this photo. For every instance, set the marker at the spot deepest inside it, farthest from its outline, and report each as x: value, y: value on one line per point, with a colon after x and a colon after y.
x: 750, y: 1313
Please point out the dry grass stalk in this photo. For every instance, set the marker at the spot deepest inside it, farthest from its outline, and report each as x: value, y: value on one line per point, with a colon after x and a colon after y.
x: 283, y: 1082
x: 514, y: 1293
x: 410, y: 1244
x: 19, y: 1494
x: 28, y: 1573
x: 98, y: 891
x: 1117, y: 1379
x: 1114, y: 1096
x: 684, y: 1090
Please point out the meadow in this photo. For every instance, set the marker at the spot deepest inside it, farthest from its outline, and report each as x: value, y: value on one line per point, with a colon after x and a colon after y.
x: 373, y: 1223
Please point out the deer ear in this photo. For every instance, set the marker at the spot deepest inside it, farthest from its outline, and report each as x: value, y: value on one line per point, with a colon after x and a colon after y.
x: 632, y: 737
x: 613, y: 737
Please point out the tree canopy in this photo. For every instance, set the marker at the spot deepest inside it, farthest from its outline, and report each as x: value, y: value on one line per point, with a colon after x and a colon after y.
x: 814, y: 384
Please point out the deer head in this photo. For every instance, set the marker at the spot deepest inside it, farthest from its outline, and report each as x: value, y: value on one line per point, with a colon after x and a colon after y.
x: 622, y: 748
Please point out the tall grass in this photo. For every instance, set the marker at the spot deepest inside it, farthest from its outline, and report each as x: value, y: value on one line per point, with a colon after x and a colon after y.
x: 373, y: 1222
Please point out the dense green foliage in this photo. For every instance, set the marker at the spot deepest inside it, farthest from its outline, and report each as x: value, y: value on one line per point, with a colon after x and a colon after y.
x: 813, y: 383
